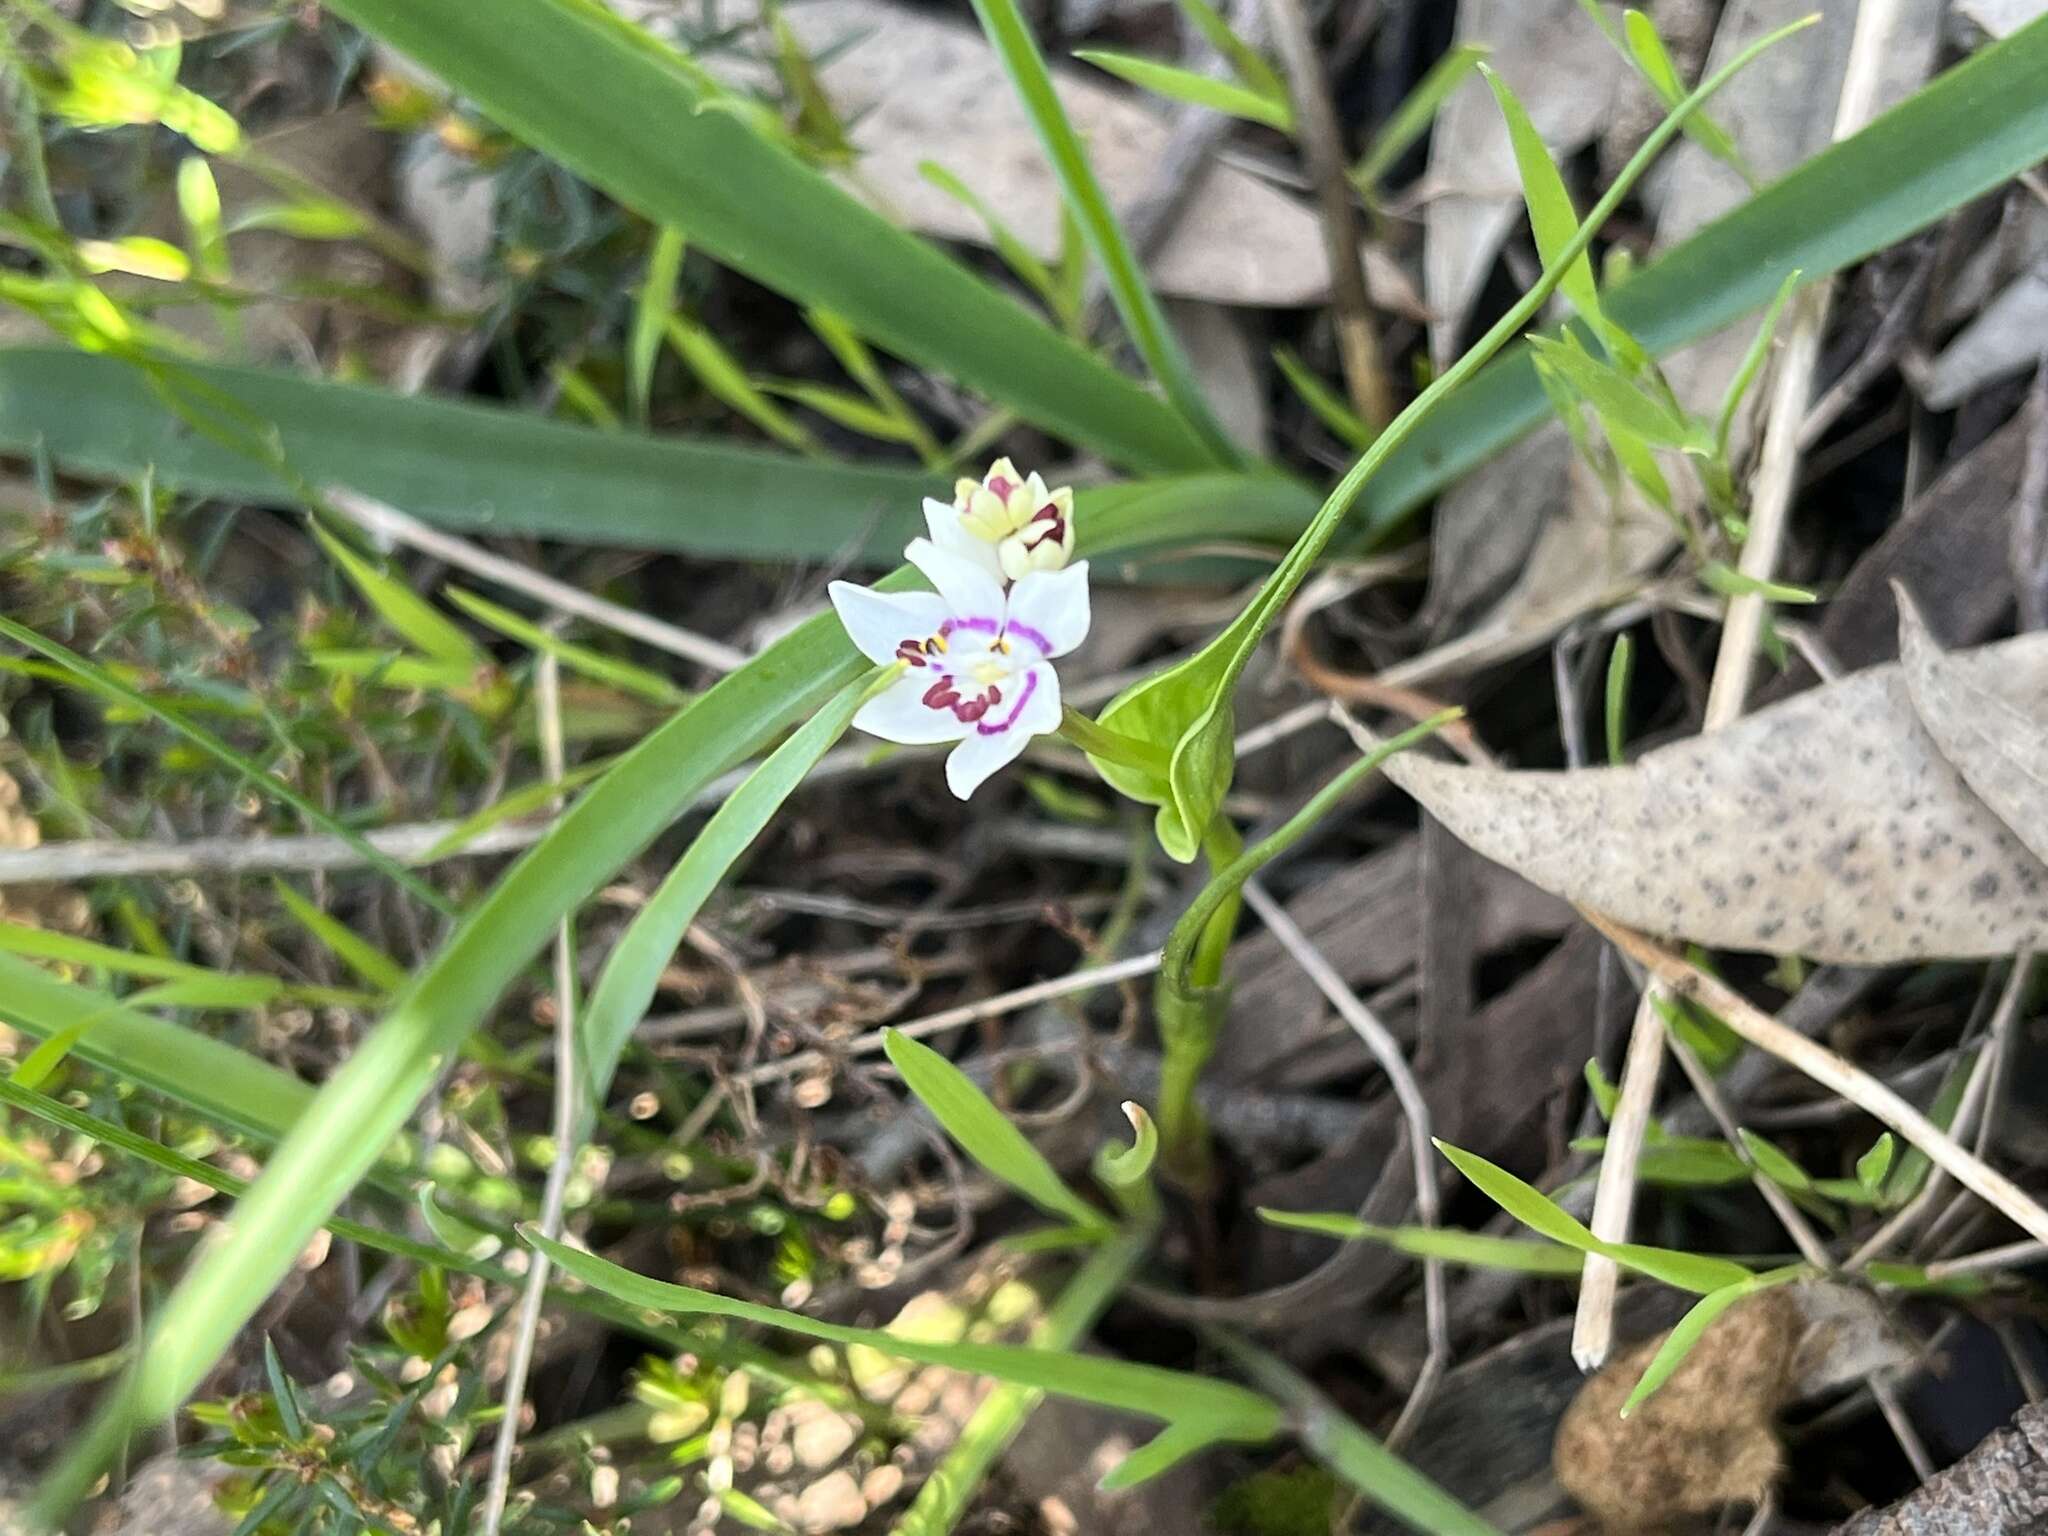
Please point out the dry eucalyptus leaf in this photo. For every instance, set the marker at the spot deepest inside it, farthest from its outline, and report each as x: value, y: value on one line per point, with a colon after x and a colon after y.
x: 1990, y: 736
x: 1829, y: 826
x: 2003, y: 342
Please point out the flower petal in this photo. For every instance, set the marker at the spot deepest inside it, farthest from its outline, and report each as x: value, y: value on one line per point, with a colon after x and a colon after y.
x: 951, y: 534
x: 899, y: 713
x: 970, y: 591
x: 1052, y: 605
x: 878, y: 622
x: 994, y: 743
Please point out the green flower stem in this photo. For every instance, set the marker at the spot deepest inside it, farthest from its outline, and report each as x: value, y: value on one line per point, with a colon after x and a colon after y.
x: 954, y: 1482
x: 1111, y: 746
x: 1189, y: 996
x: 1188, y: 1003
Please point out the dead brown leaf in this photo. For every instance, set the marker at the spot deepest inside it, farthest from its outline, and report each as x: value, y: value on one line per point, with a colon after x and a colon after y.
x: 1830, y: 826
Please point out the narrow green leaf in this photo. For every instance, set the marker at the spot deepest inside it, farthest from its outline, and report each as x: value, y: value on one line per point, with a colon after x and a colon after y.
x: 1647, y: 49
x: 1730, y: 582
x: 524, y: 801
x: 1329, y: 406
x: 1135, y: 302
x: 1017, y: 256
x: 1914, y: 1277
x: 1617, y: 398
x: 1621, y: 666
x: 199, y: 209
x: 984, y: 1132
x: 652, y: 306
x: 452, y: 1231
x: 1687, y: 1271
x: 1552, y: 218
x: 720, y: 373
x: 633, y: 969
x: 1752, y: 362
x: 853, y: 355
x: 595, y: 665
x: 837, y: 405
x: 1910, y: 1174
x: 1774, y: 1164
x: 409, y: 615
x: 1246, y: 61
x: 1693, y: 1326
x: 1335, y: 1440
x: 1411, y: 119
x: 1873, y: 1165
x: 1177, y: 84
x: 355, y: 951
x: 1226, y: 1409
x: 623, y: 109
x: 1479, y: 1249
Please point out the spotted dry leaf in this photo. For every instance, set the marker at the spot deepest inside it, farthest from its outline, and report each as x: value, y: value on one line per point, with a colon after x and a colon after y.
x: 1833, y: 825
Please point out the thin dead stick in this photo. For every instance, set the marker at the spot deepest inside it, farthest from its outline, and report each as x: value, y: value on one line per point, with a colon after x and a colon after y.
x: 1386, y: 1050
x: 1976, y: 1093
x: 381, y: 518
x: 955, y: 1018
x: 548, y: 696
x: 1322, y: 148
x: 1734, y: 667
x: 110, y: 858
x: 2029, y: 1252
x: 1830, y: 1071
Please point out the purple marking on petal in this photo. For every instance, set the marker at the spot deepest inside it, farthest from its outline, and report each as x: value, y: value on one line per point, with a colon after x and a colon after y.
x: 976, y: 626
x: 1036, y: 637
x: 1030, y: 687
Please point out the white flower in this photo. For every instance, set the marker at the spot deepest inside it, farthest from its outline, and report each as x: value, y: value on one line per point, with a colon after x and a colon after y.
x: 1007, y: 524
x: 978, y: 660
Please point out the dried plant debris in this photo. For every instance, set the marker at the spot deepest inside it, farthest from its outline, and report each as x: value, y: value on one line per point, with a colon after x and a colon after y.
x: 1833, y: 825
x: 1708, y: 1437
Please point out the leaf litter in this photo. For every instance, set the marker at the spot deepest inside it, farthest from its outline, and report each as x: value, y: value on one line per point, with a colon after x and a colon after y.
x: 1848, y: 824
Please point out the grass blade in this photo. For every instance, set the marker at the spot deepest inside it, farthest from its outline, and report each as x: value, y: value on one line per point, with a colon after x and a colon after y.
x: 1411, y: 119
x: 1552, y: 218
x: 652, y: 306
x: 1224, y: 1408
x: 633, y: 968
x: 355, y: 951
x: 984, y: 1132
x: 1135, y: 301
x: 1481, y: 1250
x: 1693, y: 1326
x: 1336, y: 1441
x: 484, y: 469
x: 1177, y: 84
x: 625, y: 111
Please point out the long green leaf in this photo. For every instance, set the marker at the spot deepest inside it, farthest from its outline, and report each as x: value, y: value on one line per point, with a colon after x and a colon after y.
x: 225, y: 1085
x: 363, y: 1105
x: 1135, y: 302
x: 1536, y: 1211
x: 1336, y: 1440
x: 1224, y: 1409
x: 1552, y: 218
x: 485, y: 469
x: 633, y: 969
x: 1412, y: 118
x: 1177, y: 84
x: 984, y: 1132
x: 620, y: 108
x: 1692, y: 1327
x: 1480, y: 1249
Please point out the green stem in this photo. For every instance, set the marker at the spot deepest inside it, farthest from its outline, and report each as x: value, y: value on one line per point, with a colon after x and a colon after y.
x: 1112, y: 746
x: 1189, y: 996
x: 952, y: 1485
x: 1299, y: 560
x: 1189, y: 1003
